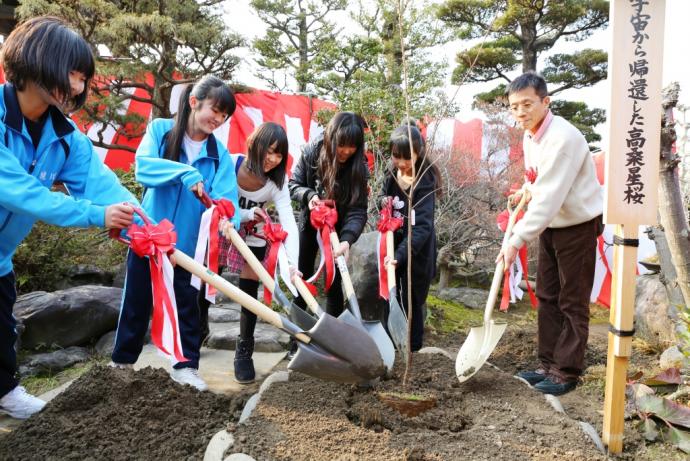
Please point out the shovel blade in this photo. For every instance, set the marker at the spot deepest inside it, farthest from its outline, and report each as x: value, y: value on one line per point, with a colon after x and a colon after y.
x: 375, y: 330
x: 383, y: 342
x: 314, y: 361
x: 477, y: 348
x: 297, y: 315
x: 300, y: 317
x: 350, y: 344
x: 397, y: 324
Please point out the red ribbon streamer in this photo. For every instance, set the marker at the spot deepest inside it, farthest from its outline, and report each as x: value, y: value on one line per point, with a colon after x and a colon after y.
x: 323, y: 218
x: 274, y: 234
x: 502, y: 221
x: 224, y: 209
x: 155, y: 241
x: 387, y: 223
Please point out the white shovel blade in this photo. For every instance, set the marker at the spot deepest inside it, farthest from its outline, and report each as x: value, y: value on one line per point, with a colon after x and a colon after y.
x: 480, y: 343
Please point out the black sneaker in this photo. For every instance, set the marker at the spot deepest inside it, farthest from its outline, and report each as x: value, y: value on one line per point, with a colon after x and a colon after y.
x: 554, y: 386
x: 533, y: 377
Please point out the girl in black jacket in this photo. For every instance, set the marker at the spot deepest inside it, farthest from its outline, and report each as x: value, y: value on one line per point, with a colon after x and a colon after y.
x: 427, y: 182
x: 332, y: 167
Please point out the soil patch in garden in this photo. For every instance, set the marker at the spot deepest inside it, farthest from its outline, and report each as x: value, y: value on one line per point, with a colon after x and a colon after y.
x: 491, y: 417
x: 122, y: 414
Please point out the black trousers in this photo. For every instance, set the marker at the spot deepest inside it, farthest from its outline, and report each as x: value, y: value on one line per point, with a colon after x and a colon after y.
x: 8, y: 335
x: 135, y: 312
x: 420, y: 290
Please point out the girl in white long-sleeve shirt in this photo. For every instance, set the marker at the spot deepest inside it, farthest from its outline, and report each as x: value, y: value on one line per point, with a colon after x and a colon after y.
x: 261, y: 181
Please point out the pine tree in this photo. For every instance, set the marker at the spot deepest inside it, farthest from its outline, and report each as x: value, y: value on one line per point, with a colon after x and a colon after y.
x: 149, y: 46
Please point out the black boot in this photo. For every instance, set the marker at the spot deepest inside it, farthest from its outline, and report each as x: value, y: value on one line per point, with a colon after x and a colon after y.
x: 244, y: 365
x: 292, y: 348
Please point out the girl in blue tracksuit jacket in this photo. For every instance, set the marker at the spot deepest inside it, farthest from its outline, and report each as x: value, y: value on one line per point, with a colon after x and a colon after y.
x: 39, y: 145
x: 176, y: 161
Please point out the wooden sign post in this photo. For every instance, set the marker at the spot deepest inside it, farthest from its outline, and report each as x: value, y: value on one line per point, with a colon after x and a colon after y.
x: 631, y: 175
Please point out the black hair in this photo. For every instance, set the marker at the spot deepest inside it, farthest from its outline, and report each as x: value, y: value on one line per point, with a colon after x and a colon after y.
x: 258, y: 144
x: 345, y: 129
x: 209, y: 87
x: 529, y: 79
x: 399, y: 146
x: 44, y: 50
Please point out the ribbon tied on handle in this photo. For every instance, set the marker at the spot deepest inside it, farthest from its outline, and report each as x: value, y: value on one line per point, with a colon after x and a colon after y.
x: 156, y: 242
x: 387, y: 223
x: 207, y: 245
x: 323, y: 218
x: 277, y: 256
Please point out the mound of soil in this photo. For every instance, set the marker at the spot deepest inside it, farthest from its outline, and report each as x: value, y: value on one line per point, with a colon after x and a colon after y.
x: 491, y: 417
x: 121, y: 414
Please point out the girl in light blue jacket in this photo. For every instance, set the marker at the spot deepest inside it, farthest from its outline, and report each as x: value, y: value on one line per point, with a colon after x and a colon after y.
x: 176, y: 162
x: 40, y: 145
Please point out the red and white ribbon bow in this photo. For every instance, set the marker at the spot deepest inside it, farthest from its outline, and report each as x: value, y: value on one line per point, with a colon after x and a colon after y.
x: 323, y: 218
x: 207, y: 243
x: 387, y: 223
x: 156, y: 242
x: 277, y: 255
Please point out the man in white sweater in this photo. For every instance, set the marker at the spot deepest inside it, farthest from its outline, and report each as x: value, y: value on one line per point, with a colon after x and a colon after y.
x: 565, y: 214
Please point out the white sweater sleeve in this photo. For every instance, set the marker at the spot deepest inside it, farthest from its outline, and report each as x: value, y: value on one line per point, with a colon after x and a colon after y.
x: 559, y: 161
x: 281, y: 197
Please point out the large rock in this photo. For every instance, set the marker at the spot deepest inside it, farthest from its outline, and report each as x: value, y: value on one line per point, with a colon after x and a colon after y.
x: 654, y: 315
x: 364, y: 273
x: 53, y: 362
x: 224, y: 313
x: 232, y: 278
x: 106, y: 344
x: 85, y: 274
x: 266, y: 339
x: 672, y: 358
x: 71, y: 317
x: 474, y: 298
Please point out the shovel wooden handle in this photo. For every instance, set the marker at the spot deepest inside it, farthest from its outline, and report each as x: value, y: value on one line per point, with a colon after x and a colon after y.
x: 345, y: 277
x: 239, y: 296
x: 307, y: 296
x: 342, y: 266
x: 390, y: 268
x: 250, y: 257
x: 500, y: 266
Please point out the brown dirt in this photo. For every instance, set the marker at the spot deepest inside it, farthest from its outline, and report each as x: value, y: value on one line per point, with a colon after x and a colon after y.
x: 120, y: 414
x: 492, y: 417
x: 117, y: 414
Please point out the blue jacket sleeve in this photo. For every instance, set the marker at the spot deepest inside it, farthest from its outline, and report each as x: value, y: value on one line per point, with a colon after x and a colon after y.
x: 225, y: 183
x: 86, y: 177
x: 152, y: 170
x: 23, y: 193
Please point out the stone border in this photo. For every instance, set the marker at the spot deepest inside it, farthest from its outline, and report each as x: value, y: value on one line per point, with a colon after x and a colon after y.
x: 224, y: 440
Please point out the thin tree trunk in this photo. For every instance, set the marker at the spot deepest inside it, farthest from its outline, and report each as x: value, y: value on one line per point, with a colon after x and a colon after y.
x: 672, y: 211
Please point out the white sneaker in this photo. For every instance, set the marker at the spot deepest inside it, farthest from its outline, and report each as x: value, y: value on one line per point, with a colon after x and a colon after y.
x: 121, y: 366
x: 188, y: 376
x: 19, y: 404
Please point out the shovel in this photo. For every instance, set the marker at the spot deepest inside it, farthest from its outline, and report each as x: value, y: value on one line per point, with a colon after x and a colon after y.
x: 331, y: 350
x: 481, y: 341
x: 397, y: 321
x: 296, y: 314
x: 373, y: 327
